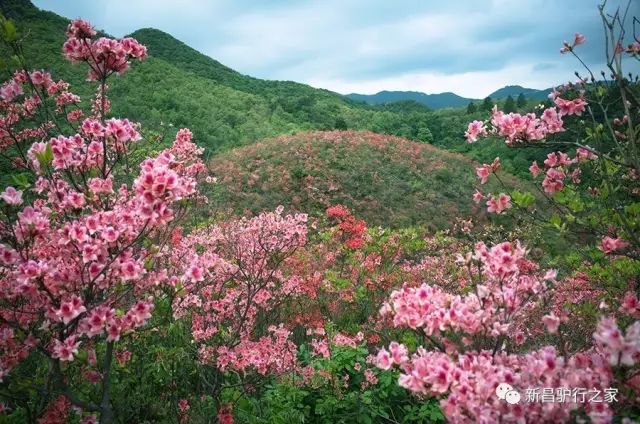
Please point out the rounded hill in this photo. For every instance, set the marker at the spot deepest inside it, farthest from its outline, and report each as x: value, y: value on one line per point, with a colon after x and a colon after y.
x: 386, y: 180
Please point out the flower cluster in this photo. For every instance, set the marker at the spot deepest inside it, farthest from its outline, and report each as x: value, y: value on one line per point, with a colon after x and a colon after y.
x: 577, y: 40
x: 233, y: 280
x: 469, y: 381
x: 20, y: 98
x: 160, y: 182
x: 517, y: 128
x: 499, y: 301
x: 350, y: 229
x: 618, y: 348
x: 104, y: 56
x: 79, y: 258
x: 558, y: 169
x: 467, y: 356
x: 273, y: 353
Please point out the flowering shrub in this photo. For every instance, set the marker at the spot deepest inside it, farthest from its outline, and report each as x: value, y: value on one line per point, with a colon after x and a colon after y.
x: 274, y: 316
x: 476, y: 342
x: 592, y: 184
x: 78, y: 244
x: 481, y: 338
x: 233, y: 285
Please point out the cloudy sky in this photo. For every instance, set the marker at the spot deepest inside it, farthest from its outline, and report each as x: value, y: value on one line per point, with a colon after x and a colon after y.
x: 470, y: 47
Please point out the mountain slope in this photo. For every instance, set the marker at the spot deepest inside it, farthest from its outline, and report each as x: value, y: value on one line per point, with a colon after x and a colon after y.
x: 164, y: 46
x: 388, y: 181
x: 180, y: 86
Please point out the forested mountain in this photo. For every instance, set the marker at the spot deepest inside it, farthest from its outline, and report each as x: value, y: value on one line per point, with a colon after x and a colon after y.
x: 516, y: 90
x: 222, y: 107
x: 226, y: 109
x: 433, y: 101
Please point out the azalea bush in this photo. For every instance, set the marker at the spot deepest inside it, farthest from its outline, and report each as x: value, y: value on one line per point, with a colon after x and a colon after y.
x: 80, y: 232
x: 479, y: 332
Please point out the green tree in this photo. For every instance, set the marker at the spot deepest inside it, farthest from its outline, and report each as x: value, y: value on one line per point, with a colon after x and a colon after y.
x: 471, y: 108
x: 340, y: 124
x: 424, y: 134
x: 487, y: 104
x: 509, y: 105
x: 521, y: 102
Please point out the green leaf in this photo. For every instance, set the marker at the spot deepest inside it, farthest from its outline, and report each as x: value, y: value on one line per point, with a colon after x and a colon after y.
x: 21, y: 180
x: 148, y: 264
x: 556, y: 221
x: 45, y: 157
x: 9, y: 30
x: 521, y: 199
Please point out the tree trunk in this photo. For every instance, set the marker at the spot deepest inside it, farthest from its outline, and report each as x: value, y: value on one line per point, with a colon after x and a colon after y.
x: 106, y: 412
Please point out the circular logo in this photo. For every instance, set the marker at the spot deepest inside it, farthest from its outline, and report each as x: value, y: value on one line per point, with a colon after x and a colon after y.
x: 512, y: 397
x: 506, y: 392
x: 502, y: 390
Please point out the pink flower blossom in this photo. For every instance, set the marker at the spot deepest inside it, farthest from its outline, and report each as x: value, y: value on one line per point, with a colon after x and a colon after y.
x: 610, y: 244
x: 383, y: 359
x: 70, y: 309
x: 475, y: 130
x: 483, y: 173
x: 553, y: 180
x: 12, y: 196
x: 183, y: 405
x: 630, y: 305
x: 583, y: 154
x: 535, y: 169
x: 620, y: 349
x: 552, y: 323
x: 477, y: 196
x: 65, y: 350
x: 499, y: 204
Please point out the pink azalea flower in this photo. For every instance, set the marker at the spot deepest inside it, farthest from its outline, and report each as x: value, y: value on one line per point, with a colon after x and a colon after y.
x: 610, y: 245
x: 70, y: 309
x: 535, y: 169
x: 399, y: 353
x: 11, y: 196
x: 477, y: 196
x: 66, y: 349
x: 499, y: 204
x: 630, y: 304
x: 383, y: 359
x: 552, y: 323
x: 475, y: 129
x: 483, y: 173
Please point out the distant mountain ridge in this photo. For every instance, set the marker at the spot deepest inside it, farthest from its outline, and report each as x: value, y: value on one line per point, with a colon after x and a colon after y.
x: 448, y: 99
x: 433, y: 101
x: 516, y: 90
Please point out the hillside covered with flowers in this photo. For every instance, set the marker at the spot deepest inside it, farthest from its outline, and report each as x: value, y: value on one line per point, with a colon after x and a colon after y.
x: 328, y: 276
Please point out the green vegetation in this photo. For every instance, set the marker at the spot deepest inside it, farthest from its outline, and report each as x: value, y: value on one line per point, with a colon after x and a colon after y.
x: 222, y: 107
x: 385, y: 180
x: 226, y: 109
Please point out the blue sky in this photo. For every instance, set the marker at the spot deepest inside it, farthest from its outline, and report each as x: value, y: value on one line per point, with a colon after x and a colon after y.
x: 469, y: 47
